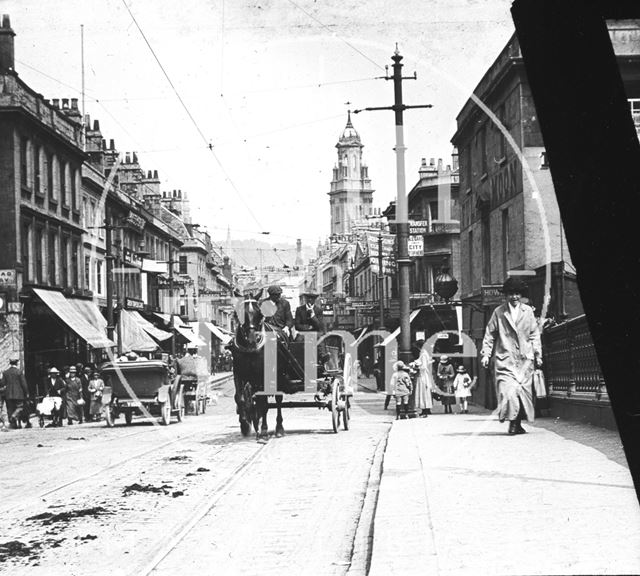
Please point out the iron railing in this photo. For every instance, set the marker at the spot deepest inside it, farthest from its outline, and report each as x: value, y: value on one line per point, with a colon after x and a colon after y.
x: 571, y: 363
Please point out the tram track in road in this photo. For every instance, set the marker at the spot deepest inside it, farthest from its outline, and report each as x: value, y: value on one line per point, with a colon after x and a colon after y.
x: 42, y: 495
x: 179, y: 533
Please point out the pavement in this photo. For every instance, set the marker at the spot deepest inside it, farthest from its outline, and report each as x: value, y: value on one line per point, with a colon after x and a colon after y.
x: 459, y: 496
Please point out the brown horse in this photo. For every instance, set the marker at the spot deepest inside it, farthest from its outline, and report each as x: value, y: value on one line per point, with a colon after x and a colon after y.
x: 247, y: 349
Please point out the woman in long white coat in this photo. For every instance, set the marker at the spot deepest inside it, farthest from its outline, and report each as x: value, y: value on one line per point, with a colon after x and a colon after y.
x: 513, y: 334
x: 424, y: 383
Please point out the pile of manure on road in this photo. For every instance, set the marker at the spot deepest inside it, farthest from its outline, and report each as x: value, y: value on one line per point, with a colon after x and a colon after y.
x: 47, y: 518
x: 14, y: 550
x: 164, y: 489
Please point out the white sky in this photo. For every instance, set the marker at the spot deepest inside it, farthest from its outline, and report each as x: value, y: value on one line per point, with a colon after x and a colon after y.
x: 266, y: 82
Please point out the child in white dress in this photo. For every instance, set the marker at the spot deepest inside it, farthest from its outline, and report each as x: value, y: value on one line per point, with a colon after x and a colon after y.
x: 462, y: 388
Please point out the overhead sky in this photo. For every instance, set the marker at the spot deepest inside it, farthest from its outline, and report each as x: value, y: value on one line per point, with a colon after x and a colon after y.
x: 240, y: 103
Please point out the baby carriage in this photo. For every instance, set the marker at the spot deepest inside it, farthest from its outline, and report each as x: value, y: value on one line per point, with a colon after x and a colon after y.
x: 50, y: 406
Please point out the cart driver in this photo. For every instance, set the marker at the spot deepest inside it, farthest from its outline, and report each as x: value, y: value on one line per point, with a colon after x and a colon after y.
x: 186, y: 365
x: 281, y: 319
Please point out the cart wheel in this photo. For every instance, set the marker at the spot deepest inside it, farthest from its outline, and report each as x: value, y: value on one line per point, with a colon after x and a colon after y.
x: 345, y: 413
x: 335, y: 415
x: 128, y: 417
x: 109, y: 417
x: 165, y: 410
x: 180, y: 407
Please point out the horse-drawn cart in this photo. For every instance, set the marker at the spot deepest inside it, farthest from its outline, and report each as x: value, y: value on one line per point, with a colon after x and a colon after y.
x: 332, y: 388
x: 140, y: 387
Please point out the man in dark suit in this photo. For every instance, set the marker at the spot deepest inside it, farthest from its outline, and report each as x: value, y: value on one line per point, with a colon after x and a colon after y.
x: 16, y: 394
x: 309, y: 315
x: 281, y: 319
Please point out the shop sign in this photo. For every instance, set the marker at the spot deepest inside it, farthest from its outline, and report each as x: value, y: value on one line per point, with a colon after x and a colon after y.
x: 133, y: 304
x: 7, y: 277
x: 327, y: 309
x: 416, y: 246
x: 492, y: 295
x: 418, y: 227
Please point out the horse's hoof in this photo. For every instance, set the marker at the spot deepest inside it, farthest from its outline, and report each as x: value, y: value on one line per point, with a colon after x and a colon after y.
x: 279, y: 432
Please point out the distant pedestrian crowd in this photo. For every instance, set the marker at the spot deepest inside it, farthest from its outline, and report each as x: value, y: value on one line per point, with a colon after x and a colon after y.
x: 73, y: 395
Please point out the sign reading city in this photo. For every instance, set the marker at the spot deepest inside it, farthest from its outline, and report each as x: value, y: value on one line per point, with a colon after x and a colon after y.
x: 416, y: 245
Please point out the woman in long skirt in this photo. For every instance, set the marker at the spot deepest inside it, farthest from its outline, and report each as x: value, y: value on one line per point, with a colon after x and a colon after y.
x: 424, y: 384
x: 96, y: 387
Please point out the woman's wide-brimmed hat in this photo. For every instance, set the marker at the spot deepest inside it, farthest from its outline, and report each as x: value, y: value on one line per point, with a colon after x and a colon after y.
x: 444, y: 358
x: 461, y: 368
x: 54, y: 370
x: 513, y: 285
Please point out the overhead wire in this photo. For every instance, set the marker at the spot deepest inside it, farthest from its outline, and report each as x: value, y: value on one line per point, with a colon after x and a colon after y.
x: 193, y: 121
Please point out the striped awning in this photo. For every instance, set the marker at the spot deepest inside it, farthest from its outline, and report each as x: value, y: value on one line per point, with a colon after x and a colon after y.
x: 133, y: 336
x: 160, y: 335
x: 220, y: 333
x: 190, y: 336
x: 75, y: 318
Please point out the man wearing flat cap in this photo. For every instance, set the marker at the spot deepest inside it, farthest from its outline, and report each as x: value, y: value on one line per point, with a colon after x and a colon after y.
x: 282, y: 319
x: 309, y: 315
x: 513, y: 335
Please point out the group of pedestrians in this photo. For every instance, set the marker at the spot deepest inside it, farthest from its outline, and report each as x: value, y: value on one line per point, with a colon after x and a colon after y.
x: 511, y: 345
x: 452, y: 385
x: 75, y: 395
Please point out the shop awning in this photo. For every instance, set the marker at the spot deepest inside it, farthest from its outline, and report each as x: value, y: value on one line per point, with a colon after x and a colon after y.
x: 74, y: 318
x: 160, y: 335
x: 220, y: 333
x: 133, y: 336
x: 190, y: 335
x: 166, y: 318
x: 396, y: 332
x: 89, y: 309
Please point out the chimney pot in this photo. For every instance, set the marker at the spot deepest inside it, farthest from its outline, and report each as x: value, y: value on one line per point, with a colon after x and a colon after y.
x: 104, y: 144
x: 56, y: 102
x: 65, y: 103
x: 96, y: 125
x: 87, y: 121
x: 134, y: 158
x: 432, y: 161
x: 74, y: 103
x: 155, y: 174
x: 112, y: 145
x: 439, y: 164
x: 7, y: 57
x: 127, y: 158
x: 149, y: 175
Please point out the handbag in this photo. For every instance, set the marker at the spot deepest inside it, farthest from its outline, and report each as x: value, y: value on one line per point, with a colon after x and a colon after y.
x: 538, y: 383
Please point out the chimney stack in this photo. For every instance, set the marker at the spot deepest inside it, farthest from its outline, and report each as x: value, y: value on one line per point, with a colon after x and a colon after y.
x: 7, y: 54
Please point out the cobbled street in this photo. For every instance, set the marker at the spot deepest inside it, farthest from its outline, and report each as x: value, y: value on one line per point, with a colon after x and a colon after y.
x: 146, y: 498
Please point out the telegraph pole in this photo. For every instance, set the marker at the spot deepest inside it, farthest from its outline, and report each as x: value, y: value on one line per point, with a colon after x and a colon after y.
x: 402, y: 212
x: 380, y: 282
x: 109, y: 258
